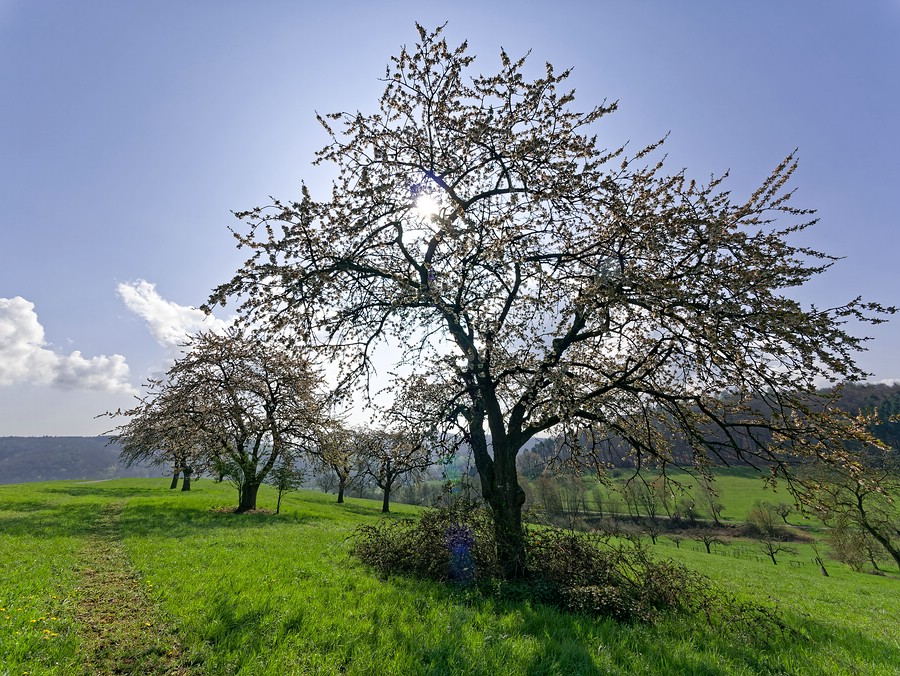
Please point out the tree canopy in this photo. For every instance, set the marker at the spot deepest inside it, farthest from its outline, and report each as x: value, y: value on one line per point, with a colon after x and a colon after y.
x: 232, y: 403
x: 544, y: 281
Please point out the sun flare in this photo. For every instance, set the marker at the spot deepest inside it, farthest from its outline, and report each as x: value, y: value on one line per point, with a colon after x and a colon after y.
x: 427, y: 206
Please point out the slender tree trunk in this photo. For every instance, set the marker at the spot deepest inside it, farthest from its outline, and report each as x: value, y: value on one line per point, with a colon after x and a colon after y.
x: 342, y: 484
x: 248, y: 497
x: 175, y: 476
x: 186, y: 484
x: 278, y: 504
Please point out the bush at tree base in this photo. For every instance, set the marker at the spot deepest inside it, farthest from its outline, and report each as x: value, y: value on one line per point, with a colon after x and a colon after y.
x: 593, y: 573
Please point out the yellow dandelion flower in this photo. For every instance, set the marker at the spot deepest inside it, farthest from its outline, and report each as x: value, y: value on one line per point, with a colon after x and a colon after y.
x: 33, y: 621
x: 53, y: 618
x: 54, y: 634
x: 148, y: 624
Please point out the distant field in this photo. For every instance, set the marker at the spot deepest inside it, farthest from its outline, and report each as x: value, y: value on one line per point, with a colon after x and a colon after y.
x: 200, y: 591
x: 739, y: 489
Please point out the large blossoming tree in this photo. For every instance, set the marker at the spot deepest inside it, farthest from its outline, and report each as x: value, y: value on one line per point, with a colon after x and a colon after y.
x: 541, y: 282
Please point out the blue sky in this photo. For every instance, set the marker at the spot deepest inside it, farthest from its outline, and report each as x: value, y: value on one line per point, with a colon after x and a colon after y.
x: 129, y: 131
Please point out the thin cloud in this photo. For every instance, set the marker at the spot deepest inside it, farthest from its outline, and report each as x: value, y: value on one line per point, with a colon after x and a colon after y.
x: 26, y: 358
x: 170, y: 323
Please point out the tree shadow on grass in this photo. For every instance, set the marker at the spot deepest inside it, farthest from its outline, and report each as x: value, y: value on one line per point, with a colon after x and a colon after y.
x: 184, y: 521
x: 574, y: 644
x: 50, y: 521
x: 103, y: 490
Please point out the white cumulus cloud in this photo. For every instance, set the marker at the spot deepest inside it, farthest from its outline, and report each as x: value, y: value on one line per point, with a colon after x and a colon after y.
x: 26, y: 358
x: 169, y: 323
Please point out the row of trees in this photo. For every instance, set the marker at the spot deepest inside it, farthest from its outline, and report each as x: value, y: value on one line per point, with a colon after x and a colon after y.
x: 249, y: 410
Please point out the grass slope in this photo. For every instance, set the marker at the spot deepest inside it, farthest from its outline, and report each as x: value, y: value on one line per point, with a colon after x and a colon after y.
x: 260, y: 594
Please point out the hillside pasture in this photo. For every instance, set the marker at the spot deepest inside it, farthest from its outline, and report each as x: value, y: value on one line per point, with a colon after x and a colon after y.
x: 213, y: 592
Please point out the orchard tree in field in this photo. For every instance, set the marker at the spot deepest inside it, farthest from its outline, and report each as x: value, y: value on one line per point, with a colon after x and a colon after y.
x: 547, y: 282
x: 773, y: 540
x: 160, y: 432
x: 245, y: 404
x: 285, y: 477
x: 393, y: 456
x: 339, y: 452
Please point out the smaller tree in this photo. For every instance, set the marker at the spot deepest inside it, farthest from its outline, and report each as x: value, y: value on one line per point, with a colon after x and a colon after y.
x: 390, y: 457
x: 160, y: 432
x: 235, y: 402
x: 548, y: 491
x: 784, y: 510
x: 285, y: 477
x: 708, y: 538
x: 653, y: 528
x: 765, y: 529
x: 339, y: 453
x: 853, y: 546
x: 710, y: 497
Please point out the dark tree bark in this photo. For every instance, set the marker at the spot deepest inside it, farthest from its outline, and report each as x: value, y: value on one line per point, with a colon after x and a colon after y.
x: 500, y: 489
x: 386, y: 501
x: 175, y: 476
x: 186, y: 484
x: 342, y: 483
x: 248, y: 497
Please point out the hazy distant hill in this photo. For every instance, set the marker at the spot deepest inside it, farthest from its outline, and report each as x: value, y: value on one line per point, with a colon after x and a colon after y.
x: 24, y: 459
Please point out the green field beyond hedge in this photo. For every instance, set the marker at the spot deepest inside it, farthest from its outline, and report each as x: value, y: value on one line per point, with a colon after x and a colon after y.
x: 126, y: 576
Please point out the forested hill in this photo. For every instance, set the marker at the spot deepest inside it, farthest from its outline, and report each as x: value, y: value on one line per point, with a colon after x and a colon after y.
x: 24, y: 459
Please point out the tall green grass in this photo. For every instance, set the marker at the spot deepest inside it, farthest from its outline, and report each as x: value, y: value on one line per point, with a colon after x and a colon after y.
x: 265, y: 594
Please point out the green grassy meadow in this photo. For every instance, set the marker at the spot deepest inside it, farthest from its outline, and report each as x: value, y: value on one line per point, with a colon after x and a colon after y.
x: 739, y: 488
x: 201, y: 591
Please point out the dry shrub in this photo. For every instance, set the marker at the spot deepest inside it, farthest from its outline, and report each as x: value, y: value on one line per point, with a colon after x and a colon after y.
x: 592, y: 573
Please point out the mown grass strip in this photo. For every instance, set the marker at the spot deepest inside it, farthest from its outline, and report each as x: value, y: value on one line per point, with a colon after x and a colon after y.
x: 121, y: 632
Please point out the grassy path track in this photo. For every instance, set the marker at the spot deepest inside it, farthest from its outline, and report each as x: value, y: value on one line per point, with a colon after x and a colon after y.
x: 120, y: 631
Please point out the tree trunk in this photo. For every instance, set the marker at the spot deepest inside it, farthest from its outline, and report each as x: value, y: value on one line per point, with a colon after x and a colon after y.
x: 186, y: 484
x: 500, y: 489
x: 508, y: 531
x: 278, y: 504
x: 248, y: 497
x: 341, y: 485
x: 386, y: 502
x: 175, y: 476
